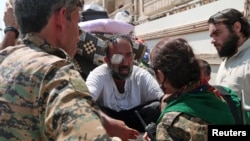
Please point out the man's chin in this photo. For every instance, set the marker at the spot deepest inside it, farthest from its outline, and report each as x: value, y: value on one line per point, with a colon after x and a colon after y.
x: 120, y: 76
x: 123, y: 76
x: 218, y: 48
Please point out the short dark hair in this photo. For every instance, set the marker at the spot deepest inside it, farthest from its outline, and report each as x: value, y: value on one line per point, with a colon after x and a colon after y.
x: 204, y: 65
x: 33, y: 15
x: 229, y: 17
x: 175, y: 58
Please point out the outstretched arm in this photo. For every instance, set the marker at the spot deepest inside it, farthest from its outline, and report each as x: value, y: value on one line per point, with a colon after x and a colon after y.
x: 118, y: 128
x: 10, y: 36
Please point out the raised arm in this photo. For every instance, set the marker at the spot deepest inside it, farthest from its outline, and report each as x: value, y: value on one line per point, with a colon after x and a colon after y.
x: 11, y: 27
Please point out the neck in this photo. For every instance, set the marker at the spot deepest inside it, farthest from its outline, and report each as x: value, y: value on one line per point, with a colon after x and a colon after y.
x: 189, y: 87
x: 241, y: 41
x: 120, y: 85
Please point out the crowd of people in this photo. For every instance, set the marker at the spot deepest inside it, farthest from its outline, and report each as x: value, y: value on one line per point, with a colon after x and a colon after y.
x: 44, y: 97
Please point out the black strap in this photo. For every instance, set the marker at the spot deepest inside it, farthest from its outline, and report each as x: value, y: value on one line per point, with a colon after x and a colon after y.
x: 230, y: 102
x: 11, y: 28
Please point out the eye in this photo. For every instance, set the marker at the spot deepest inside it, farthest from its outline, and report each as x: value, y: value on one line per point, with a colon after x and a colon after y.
x: 130, y: 55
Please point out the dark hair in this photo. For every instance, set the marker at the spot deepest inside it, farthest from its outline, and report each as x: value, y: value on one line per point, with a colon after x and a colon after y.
x: 33, y: 15
x: 175, y: 58
x: 229, y: 17
x: 113, y: 40
x: 204, y: 65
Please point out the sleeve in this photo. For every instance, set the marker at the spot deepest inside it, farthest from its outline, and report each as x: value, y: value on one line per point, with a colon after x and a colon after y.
x: 70, y: 111
x: 151, y: 87
x: 95, y: 83
x: 177, y: 126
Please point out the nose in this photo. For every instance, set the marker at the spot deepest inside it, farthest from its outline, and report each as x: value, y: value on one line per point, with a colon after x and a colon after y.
x: 212, y: 41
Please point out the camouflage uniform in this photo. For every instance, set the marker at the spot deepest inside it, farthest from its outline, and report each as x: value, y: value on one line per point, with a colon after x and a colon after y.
x: 176, y: 126
x: 43, y: 97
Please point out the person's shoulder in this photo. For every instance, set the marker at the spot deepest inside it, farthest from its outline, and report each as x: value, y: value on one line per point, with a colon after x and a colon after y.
x: 13, y: 48
x: 140, y: 70
x: 101, y: 70
x: 181, y: 119
x: 143, y: 75
x: 177, y: 124
x: 26, y: 54
x: 226, y: 91
x: 169, y: 117
x: 243, y: 52
x: 34, y: 57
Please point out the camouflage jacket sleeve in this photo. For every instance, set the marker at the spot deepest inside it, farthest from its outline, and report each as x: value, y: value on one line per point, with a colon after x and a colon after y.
x: 176, y: 126
x: 70, y: 113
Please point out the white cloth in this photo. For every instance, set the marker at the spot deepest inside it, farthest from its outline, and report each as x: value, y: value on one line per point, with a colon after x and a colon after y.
x: 106, y: 26
x: 123, y: 16
x: 234, y: 72
x: 140, y: 87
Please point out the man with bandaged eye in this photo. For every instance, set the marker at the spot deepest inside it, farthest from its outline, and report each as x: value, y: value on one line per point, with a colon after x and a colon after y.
x: 119, y: 87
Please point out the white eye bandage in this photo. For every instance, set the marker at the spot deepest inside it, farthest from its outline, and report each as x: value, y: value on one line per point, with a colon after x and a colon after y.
x: 117, y: 59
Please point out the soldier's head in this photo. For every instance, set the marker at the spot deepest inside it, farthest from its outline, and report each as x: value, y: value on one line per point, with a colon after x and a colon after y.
x: 33, y: 15
x: 174, y: 64
x: 56, y: 21
x: 120, y: 56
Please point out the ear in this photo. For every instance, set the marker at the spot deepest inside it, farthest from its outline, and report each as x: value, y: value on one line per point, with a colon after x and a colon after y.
x: 61, y: 18
x: 160, y: 76
x: 237, y: 27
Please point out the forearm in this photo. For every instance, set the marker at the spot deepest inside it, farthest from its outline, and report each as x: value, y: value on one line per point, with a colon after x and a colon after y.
x: 106, y: 122
x: 8, y: 40
x: 117, y: 128
x: 11, y: 30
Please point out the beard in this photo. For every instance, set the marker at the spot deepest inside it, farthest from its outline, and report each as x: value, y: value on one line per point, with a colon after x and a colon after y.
x: 115, y: 72
x: 229, y: 47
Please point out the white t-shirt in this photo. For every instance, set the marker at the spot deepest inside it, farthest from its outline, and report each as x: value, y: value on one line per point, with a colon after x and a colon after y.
x: 234, y: 72
x: 140, y: 87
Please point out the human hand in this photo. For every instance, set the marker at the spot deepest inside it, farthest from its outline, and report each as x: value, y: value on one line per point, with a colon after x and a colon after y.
x: 119, y: 129
x: 9, y: 17
x: 123, y: 131
x: 145, y: 137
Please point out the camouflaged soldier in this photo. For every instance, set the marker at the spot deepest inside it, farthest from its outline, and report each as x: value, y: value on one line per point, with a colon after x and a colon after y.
x: 190, y: 105
x: 42, y: 95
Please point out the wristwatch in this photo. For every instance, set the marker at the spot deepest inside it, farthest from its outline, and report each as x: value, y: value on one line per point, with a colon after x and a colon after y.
x: 11, y: 28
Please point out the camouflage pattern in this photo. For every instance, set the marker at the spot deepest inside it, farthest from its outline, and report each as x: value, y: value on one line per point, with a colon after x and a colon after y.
x: 176, y: 126
x: 43, y: 97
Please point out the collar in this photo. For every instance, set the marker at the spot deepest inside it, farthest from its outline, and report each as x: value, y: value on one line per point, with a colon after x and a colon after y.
x: 33, y: 40
x: 244, y: 46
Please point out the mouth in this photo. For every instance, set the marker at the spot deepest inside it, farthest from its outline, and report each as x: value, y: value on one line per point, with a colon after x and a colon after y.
x: 217, y: 46
x: 124, y: 70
